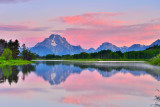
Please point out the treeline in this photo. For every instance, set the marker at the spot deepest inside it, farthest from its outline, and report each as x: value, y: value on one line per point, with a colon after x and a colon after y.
x: 11, y: 50
x: 11, y: 47
x: 108, y: 54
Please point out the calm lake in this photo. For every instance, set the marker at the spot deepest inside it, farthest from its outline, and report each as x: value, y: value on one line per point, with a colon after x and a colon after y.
x: 80, y: 84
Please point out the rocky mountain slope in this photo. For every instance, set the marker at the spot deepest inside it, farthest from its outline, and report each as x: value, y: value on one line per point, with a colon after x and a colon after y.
x: 57, y: 45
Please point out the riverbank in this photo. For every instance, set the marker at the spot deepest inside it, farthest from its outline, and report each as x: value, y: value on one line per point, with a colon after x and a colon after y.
x: 24, y: 62
x: 155, y: 60
x: 15, y: 62
x: 92, y: 59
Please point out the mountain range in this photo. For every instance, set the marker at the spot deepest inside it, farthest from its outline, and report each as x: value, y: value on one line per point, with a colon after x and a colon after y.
x: 58, y: 45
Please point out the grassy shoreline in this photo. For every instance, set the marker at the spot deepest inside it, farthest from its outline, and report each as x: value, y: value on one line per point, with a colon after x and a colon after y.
x: 15, y: 62
x: 155, y: 60
x: 97, y: 59
x: 24, y: 62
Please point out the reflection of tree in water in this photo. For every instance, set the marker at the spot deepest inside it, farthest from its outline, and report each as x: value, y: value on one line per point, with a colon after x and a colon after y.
x: 10, y: 73
x: 27, y: 69
x: 157, y: 99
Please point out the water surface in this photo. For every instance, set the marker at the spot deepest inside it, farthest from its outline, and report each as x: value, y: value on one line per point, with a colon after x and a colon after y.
x: 80, y: 84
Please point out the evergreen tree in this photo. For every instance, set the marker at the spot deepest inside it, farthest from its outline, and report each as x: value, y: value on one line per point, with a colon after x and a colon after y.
x: 27, y: 54
x: 14, y: 46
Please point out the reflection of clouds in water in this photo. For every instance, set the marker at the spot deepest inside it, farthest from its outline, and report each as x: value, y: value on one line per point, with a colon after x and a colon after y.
x: 20, y: 90
x: 119, y: 83
x: 89, y: 84
x: 98, y: 90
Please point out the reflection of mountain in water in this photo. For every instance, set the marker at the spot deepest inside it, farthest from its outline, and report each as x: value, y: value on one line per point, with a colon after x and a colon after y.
x: 57, y: 72
x: 136, y: 69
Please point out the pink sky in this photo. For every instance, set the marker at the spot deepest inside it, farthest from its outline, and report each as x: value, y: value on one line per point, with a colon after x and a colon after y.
x: 88, y: 27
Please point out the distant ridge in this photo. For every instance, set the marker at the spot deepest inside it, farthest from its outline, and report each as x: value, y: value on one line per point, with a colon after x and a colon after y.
x: 157, y: 42
x: 58, y: 45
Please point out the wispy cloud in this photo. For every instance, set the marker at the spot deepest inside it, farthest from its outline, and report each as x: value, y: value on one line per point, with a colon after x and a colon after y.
x: 155, y: 20
x: 21, y: 28
x: 91, y: 19
x: 13, y: 1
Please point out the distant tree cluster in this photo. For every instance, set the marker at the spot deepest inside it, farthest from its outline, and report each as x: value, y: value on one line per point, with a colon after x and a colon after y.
x: 108, y: 54
x: 26, y: 54
x: 11, y: 50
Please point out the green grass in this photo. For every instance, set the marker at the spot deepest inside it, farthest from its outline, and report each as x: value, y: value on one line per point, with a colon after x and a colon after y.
x: 155, y: 60
x: 14, y: 62
x: 98, y: 59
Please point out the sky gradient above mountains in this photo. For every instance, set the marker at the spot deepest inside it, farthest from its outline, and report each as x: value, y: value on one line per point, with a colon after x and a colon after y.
x: 86, y: 23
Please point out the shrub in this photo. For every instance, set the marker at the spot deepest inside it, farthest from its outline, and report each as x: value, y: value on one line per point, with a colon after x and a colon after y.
x: 155, y: 60
x: 7, y: 54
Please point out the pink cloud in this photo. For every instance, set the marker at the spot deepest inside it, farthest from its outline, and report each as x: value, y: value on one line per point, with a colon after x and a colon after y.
x: 92, y: 29
x: 91, y: 19
x: 155, y: 19
x: 31, y: 40
x: 118, y: 35
x: 26, y: 23
x: 157, y: 27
